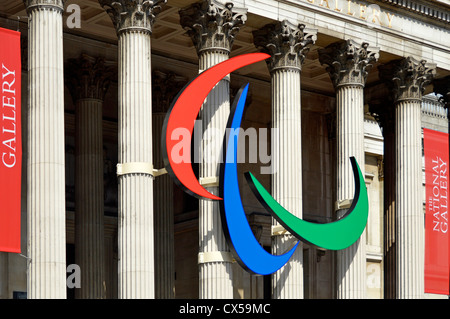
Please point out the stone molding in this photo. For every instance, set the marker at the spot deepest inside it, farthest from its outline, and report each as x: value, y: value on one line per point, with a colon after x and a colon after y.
x: 287, y: 43
x: 212, y: 25
x: 88, y: 77
x: 347, y: 62
x: 407, y: 77
x: 133, y: 15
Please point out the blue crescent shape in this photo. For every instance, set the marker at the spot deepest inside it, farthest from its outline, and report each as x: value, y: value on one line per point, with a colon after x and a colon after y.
x: 247, y: 251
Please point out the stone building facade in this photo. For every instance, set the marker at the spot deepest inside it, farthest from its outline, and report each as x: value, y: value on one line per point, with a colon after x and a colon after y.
x: 345, y: 78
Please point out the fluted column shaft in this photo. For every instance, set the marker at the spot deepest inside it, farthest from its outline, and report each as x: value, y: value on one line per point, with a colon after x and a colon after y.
x: 287, y: 180
x: 212, y: 27
x: 349, y: 135
x: 348, y: 64
x: 136, y: 262
x: 164, y: 222
x: 409, y: 206
x: 407, y: 79
x: 166, y: 86
x: 383, y: 111
x: 288, y: 45
x: 46, y: 180
x: 351, y: 262
x: 88, y: 79
x: 89, y: 197
x: 390, y: 245
x: 134, y: 22
x: 215, y: 277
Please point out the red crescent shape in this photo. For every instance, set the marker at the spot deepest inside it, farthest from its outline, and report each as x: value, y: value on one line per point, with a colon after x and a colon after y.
x: 183, y: 113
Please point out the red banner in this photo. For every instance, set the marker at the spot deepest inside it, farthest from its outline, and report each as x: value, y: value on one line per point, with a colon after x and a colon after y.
x: 436, y: 218
x: 10, y: 141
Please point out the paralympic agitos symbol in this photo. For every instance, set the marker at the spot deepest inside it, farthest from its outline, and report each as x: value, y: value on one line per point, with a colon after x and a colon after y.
x: 246, y: 249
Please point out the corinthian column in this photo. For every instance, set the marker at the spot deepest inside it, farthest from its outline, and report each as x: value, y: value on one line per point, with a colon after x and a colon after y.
x: 212, y: 27
x: 383, y: 110
x: 88, y: 80
x: 165, y: 87
x: 348, y: 64
x: 288, y: 45
x: 133, y: 21
x: 46, y: 180
x: 408, y: 78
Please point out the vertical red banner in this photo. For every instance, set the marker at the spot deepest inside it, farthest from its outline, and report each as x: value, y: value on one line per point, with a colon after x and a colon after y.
x: 436, y: 218
x: 10, y: 140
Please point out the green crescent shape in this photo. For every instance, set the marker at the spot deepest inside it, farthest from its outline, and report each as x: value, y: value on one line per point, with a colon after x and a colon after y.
x: 335, y: 235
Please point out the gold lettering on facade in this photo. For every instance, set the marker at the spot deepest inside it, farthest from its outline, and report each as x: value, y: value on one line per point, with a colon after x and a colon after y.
x: 362, y: 11
x: 376, y: 16
x: 349, y: 6
x: 336, y: 8
x: 326, y: 1
x: 389, y: 19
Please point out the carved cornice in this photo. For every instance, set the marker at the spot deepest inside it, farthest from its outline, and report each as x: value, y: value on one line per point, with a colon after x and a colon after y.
x: 44, y: 4
x: 133, y: 15
x: 88, y: 77
x: 212, y: 25
x: 165, y: 87
x: 287, y: 43
x: 347, y: 62
x: 407, y: 77
x: 442, y: 87
x: 430, y: 9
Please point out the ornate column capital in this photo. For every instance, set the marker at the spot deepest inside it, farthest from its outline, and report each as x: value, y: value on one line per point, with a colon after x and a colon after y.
x: 407, y: 77
x: 133, y: 15
x: 50, y: 4
x: 165, y: 86
x: 348, y: 63
x: 287, y: 43
x: 88, y: 77
x: 442, y: 87
x: 212, y: 25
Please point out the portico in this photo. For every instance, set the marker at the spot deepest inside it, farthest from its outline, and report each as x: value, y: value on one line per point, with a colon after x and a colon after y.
x: 339, y: 71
